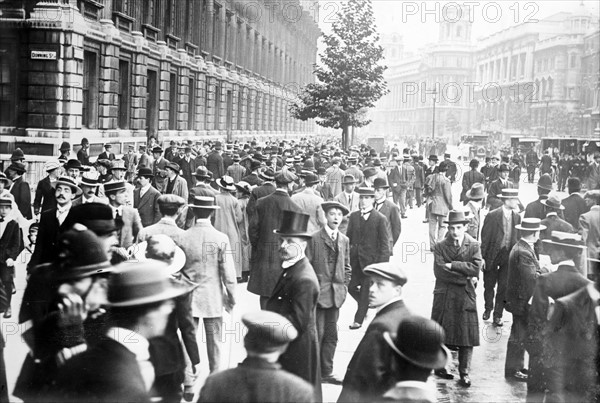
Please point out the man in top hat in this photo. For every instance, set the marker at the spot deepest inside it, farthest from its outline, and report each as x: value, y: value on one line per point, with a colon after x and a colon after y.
x: 536, y: 209
x: 20, y: 188
x: 348, y: 198
x: 565, y: 250
x: 589, y: 224
x: 574, y: 204
x: 495, y: 189
x: 175, y: 183
x: 266, y: 262
x: 329, y: 254
x: 131, y: 162
x: 83, y: 155
x: 260, y: 378
x: 145, y: 198
x: 126, y: 217
x: 469, y: 179
x: 531, y: 160
x: 498, y: 236
x: 439, y: 203
x: 214, y: 161
x: 169, y: 207
x: 457, y: 260
x: 310, y: 202
x: 140, y: 298
x: 44, y: 192
x: 158, y: 169
x: 89, y: 187
x: 209, y: 263
x: 523, y: 271
x: 371, y: 370
x: 107, y: 154
x: 553, y: 222
x: 418, y: 347
x: 389, y: 210
x: 228, y: 219
x: 235, y: 170
x: 65, y: 150
x: 369, y: 243
x: 475, y: 197
x: 295, y: 297
x: 11, y: 245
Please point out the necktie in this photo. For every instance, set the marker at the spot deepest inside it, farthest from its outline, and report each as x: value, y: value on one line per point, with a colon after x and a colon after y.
x: 333, y: 236
x: 1, y: 219
x: 379, y: 206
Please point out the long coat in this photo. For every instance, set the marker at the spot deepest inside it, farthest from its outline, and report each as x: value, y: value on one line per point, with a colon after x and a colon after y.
x: 454, y: 299
x: 46, y: 249
x: 214, y: 163
x: 574, y: 207
x: 310, y: 204
x: 22, y: 194
x: 331, y: 262
x: 492, y: 233
x: 228, y: 220
x: 132, y: 224
x: 440, y: 194
x: 44, y: 196
x: 265, y: 266
x: 160, y: 175
x: 392, y: 213
x: 256, y: 380
x: 147, y: 206
x: 470, y: 178
x: 335, y: 177
x: 208, y: 265
x: 369, y: 240
x: 523, y: 271
x: 295, y: 297
x: 371, y: 370
x: 246, y: 247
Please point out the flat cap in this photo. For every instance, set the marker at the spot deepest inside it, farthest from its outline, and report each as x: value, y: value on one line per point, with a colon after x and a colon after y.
x: 285, y: 176
x: 170, y: 199
x: 267, y: 331
x: 387, y: 270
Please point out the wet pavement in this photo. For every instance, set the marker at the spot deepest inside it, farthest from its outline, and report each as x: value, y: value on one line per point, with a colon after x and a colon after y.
x: 411, y: 252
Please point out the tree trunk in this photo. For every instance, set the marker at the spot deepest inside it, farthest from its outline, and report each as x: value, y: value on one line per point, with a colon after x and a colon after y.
x: 345, y: 134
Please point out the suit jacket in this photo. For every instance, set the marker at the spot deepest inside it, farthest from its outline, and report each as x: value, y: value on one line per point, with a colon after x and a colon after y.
x: 256, y: 380
x: 310, y: 204
x: 492, y: 234
x: 331, y: 262
x: 44, y: 196
x: 236, y: 171
x: 209, y: 263
x: 11, y: 243
x: 180, y: 187
x: 106, y: 156
x: 147, y: 205
x: 144, y: 161
x: 440, y: 194
x: 22, y: 194
x: 536, y: 209
x: 369, y: 240
x: 46, y: 250
x: 335, y: 177
x: 132, y: 224
x: 419, y: 176
x: 214, y: 163
x: 523, y: 271
x: 574, y: 207
x: 397, y: 178
x: 392, y: 213
x: 95, y: 199
x: 371, y: 371
x: 83, y: 157
x: 554, y: 223
x: 589, y: 228
x: 352, y: 206
x: 295, y: 297
x: 470, y: 178
x: 163, y: 226
x: 107, y: 372
x: 160, y: 175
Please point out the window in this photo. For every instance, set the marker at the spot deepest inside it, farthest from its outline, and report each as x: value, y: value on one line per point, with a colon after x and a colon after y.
x: 217, y: 107
x: 121, y: 6
x: 89, y: 116
x: 248, y: 111
x: 173, y: 101
x: 206, y: 103
x: 545, y: 68
x: 191, y: 104
x: 8, y: 87
x: 123, y: 95
x: 573, y: 62
x: 240, y: 106
x: 216, y: 19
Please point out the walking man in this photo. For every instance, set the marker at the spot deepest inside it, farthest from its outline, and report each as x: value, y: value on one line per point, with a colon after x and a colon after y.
x: 439, y: 203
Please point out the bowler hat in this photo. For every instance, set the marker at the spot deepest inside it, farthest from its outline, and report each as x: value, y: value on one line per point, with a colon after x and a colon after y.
x: 365, y: 191
x: 170, y: 200
x: 68, y: 181
x: 145, y: 172
x: 503, y: 168
x: 173, y: 166
x: 574, y: 184
x: 321, y: 171
x: 142, y: 283
x: 377, y: 162
x: 243, y: 187
x: 530, y: 224
x: 201, y: 173
x: 333, y: 204
x: 348, y: 180
x: 118, y: 164
x: 311, y: 179
x: 157, y: 150
x: 380, y: 183
x: 267, y: 331
x: 433, y: 157
x: 162, y: 248
x: 236, y: 158
x: 114, y: 186
x: 388, y: 270
x: 419, y: 341
x: 226, y: 182
x: 18, y: 167
x: 17, y: 155
x: 565, y: 240
x: 508, y: 193
x: 97, y: 217
x: 204, y: 202
x: 456, y: 217
x: 293, y: 224
x: 476, y: 192
x: 73, y: 164
x: 65, y: 146
x: 545, y: 182
x: 369, y: 172
x: 553, y: 202
x: 80, y: 254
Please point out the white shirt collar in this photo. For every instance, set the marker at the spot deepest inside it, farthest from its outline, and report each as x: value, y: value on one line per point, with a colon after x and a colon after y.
x: 289, y: 263
x: 169, y: 220
x: 331, y: 232
x: 133, y: 341
x: 391, y: 301
x: 567, y: 263
x: 63, y: 209
x: 281, y: 190
x: 594, y: 296
x: 552, y: 214
x: 144, y: 189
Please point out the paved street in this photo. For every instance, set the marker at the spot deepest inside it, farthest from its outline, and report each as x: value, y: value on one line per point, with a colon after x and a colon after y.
x: 412, y: 254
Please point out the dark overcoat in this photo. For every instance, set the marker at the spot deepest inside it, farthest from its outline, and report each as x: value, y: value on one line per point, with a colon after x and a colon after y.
x: 492, y: 233
x: 265, y: 266
x: 214, y: 163
x: 574, y: 207
x: 392, y: 213
x: 369, y: 240
x: 535, y: 209
x: 454, y: 299
x: 523, y: 271
x: 44, y: 196
x: 147, y: 206
x: 470, y: 178
x: 20, y: 190
x: 295, y: 297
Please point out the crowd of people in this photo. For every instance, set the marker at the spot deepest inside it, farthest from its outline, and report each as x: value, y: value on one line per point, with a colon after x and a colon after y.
x: 128, y: 258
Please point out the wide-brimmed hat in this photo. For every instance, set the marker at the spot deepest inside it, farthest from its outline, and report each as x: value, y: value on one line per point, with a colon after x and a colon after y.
x: 391, y: 271
x: 201, y: 173
x: 293, y: 224
x: 226, y: 182
x: 380, y: 183
x: 333, y: 204
x: 236, y: 158
x: 419, y: 341
x: 68, y: 181
x: 157, y: 150
x: 51, y: 165
x: 553, y: 201
x: 243, y: 187
x: 18, y: 167
x: 90, y: 179
x: 173, y: 166
x: 477, y: 191
x: 145, y: 172
x: 508, y: 193
x: 204, y: 202
x: 114, y: 186
x: 97, y: 217
x: 369, y: 172
x: 545, y: 182
x: 456, y: 217
x: 311, y: 179
x: 161, y: 245
x: 118, y: 164
x: 503, y: 168
x: 80, y: 254
x: 4, y: 178
x: 74, y: 164
x: 565, y: 240
x: 267, y: 175
x: 530, y: 224
x: 65, y: 146
x: 142, y: 283
x: 348, y: 180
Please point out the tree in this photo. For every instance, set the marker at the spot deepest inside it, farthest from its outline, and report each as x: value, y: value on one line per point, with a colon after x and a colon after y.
x: 561, y: 122
x: 518, y: 117
x: 349, y: 76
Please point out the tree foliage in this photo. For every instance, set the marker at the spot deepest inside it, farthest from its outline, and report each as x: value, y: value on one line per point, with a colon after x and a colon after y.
x: 349, y: 76
x: 561, y: 122
x: 519, y: 117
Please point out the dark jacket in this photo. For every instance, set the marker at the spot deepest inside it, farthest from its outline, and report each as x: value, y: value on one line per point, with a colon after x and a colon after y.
x: 536, y: 209
x: 454, y: 299
x: 331, y: 263
x: 523, y: 271
x: 492, y: 233
x: 392, y: 213
x: 470, y: 178
x: 574, y: 207
x: 20, y: 190
x: 11, y: 243
x: 47, y: 239
x: 370, y: 372
x: 295, y: 297
x: 147, y: 206
x: 44, y: 196
x: 106, y: 156
x: 495, y: 190
x: 369, y: 240
x: 214, y: 163
x: 256, y: 380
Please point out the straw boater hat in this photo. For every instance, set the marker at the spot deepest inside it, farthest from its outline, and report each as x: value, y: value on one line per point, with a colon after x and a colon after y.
x: 118, y: 164
x: 530, y: 224
x: 565, y: 240
x: 509, y: 194
x: 67, y: 181
x: 163, y: 245
x: 6, y: 200
x: 244, y: 187
x: 293, y: 224
x: 204, y: 202
x: 89, y: 179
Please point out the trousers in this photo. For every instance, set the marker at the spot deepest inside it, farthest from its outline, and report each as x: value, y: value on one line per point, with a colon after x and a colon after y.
x: 437, y: 229
x: 465, y: 355
x: 497, y: 274
x: 213, y: 332
x: 327, y: 332
x: 359, y: 290
x: 515, y: 351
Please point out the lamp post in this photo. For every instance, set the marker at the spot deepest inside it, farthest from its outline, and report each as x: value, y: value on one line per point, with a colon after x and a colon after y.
x: 547, y: 99
x: 434, y: 94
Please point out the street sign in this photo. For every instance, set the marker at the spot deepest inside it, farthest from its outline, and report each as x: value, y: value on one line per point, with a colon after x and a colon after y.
x: 43, y: 55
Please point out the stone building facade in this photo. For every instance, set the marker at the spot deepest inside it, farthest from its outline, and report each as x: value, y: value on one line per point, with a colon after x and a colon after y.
x: 122, y: 71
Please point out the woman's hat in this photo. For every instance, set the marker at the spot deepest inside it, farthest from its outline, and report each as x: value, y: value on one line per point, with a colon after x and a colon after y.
x: 4, y: 178
x: 51, y: 165
x: 419, y: 341
x: 80, y: 254
x: 268, y: 175
x: 553, y: 202
x: 68, y: 181
x: 243, y: 187
x: 293, y: 224
x: 476, y: 191
x: 530, y: 224
x: 18, y: 167
x: 161, y: 248
x: 142, y: 283
x: 565, y: 240
x: 456, y: 217
x: 333, y: 204
x: 508, y: 193
x: 226, y: 183
x: 204, y: 202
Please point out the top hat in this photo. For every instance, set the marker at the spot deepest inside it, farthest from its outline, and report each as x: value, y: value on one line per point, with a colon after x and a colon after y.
x: 333, y: 204
x: 553, y: 201
x: 293, y: 224
x: 80, y: 254
x: 476, y: 192
x: 97, y: 217
x: 268, y: 175
x: 365, y: 191
x: 348, y: 180
x: 380, y: 183
x: 243, y: 187
x: 173, y: 166
x: 157, y: 150
x: 420, y: 341
x: 162, y: 248
x: 201, y: 173
x: 390, y: 271
x: 204, y: 202
x: 565, y: 240
x: 267, y: 331
x: 433, y: 158
x: 145, y: 172
x: 118, y: 164
x: 51, y: 165
x: 6, y: 199
x: 73, y: 164
x: 503, y: 168
x: 369, y: 172
x: 142, y: 283
x: 545, y: 182
x: 4, y: 178
x: 65, y: 146
x: 508, y: 193
x: 68, y: 181
x: 17, y: 155
x: 226, y: 183
x: 530, y: 224
x: 311, y: 179
x: 18, y: 167
x: 114, y: 186
x: 456, y: 217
